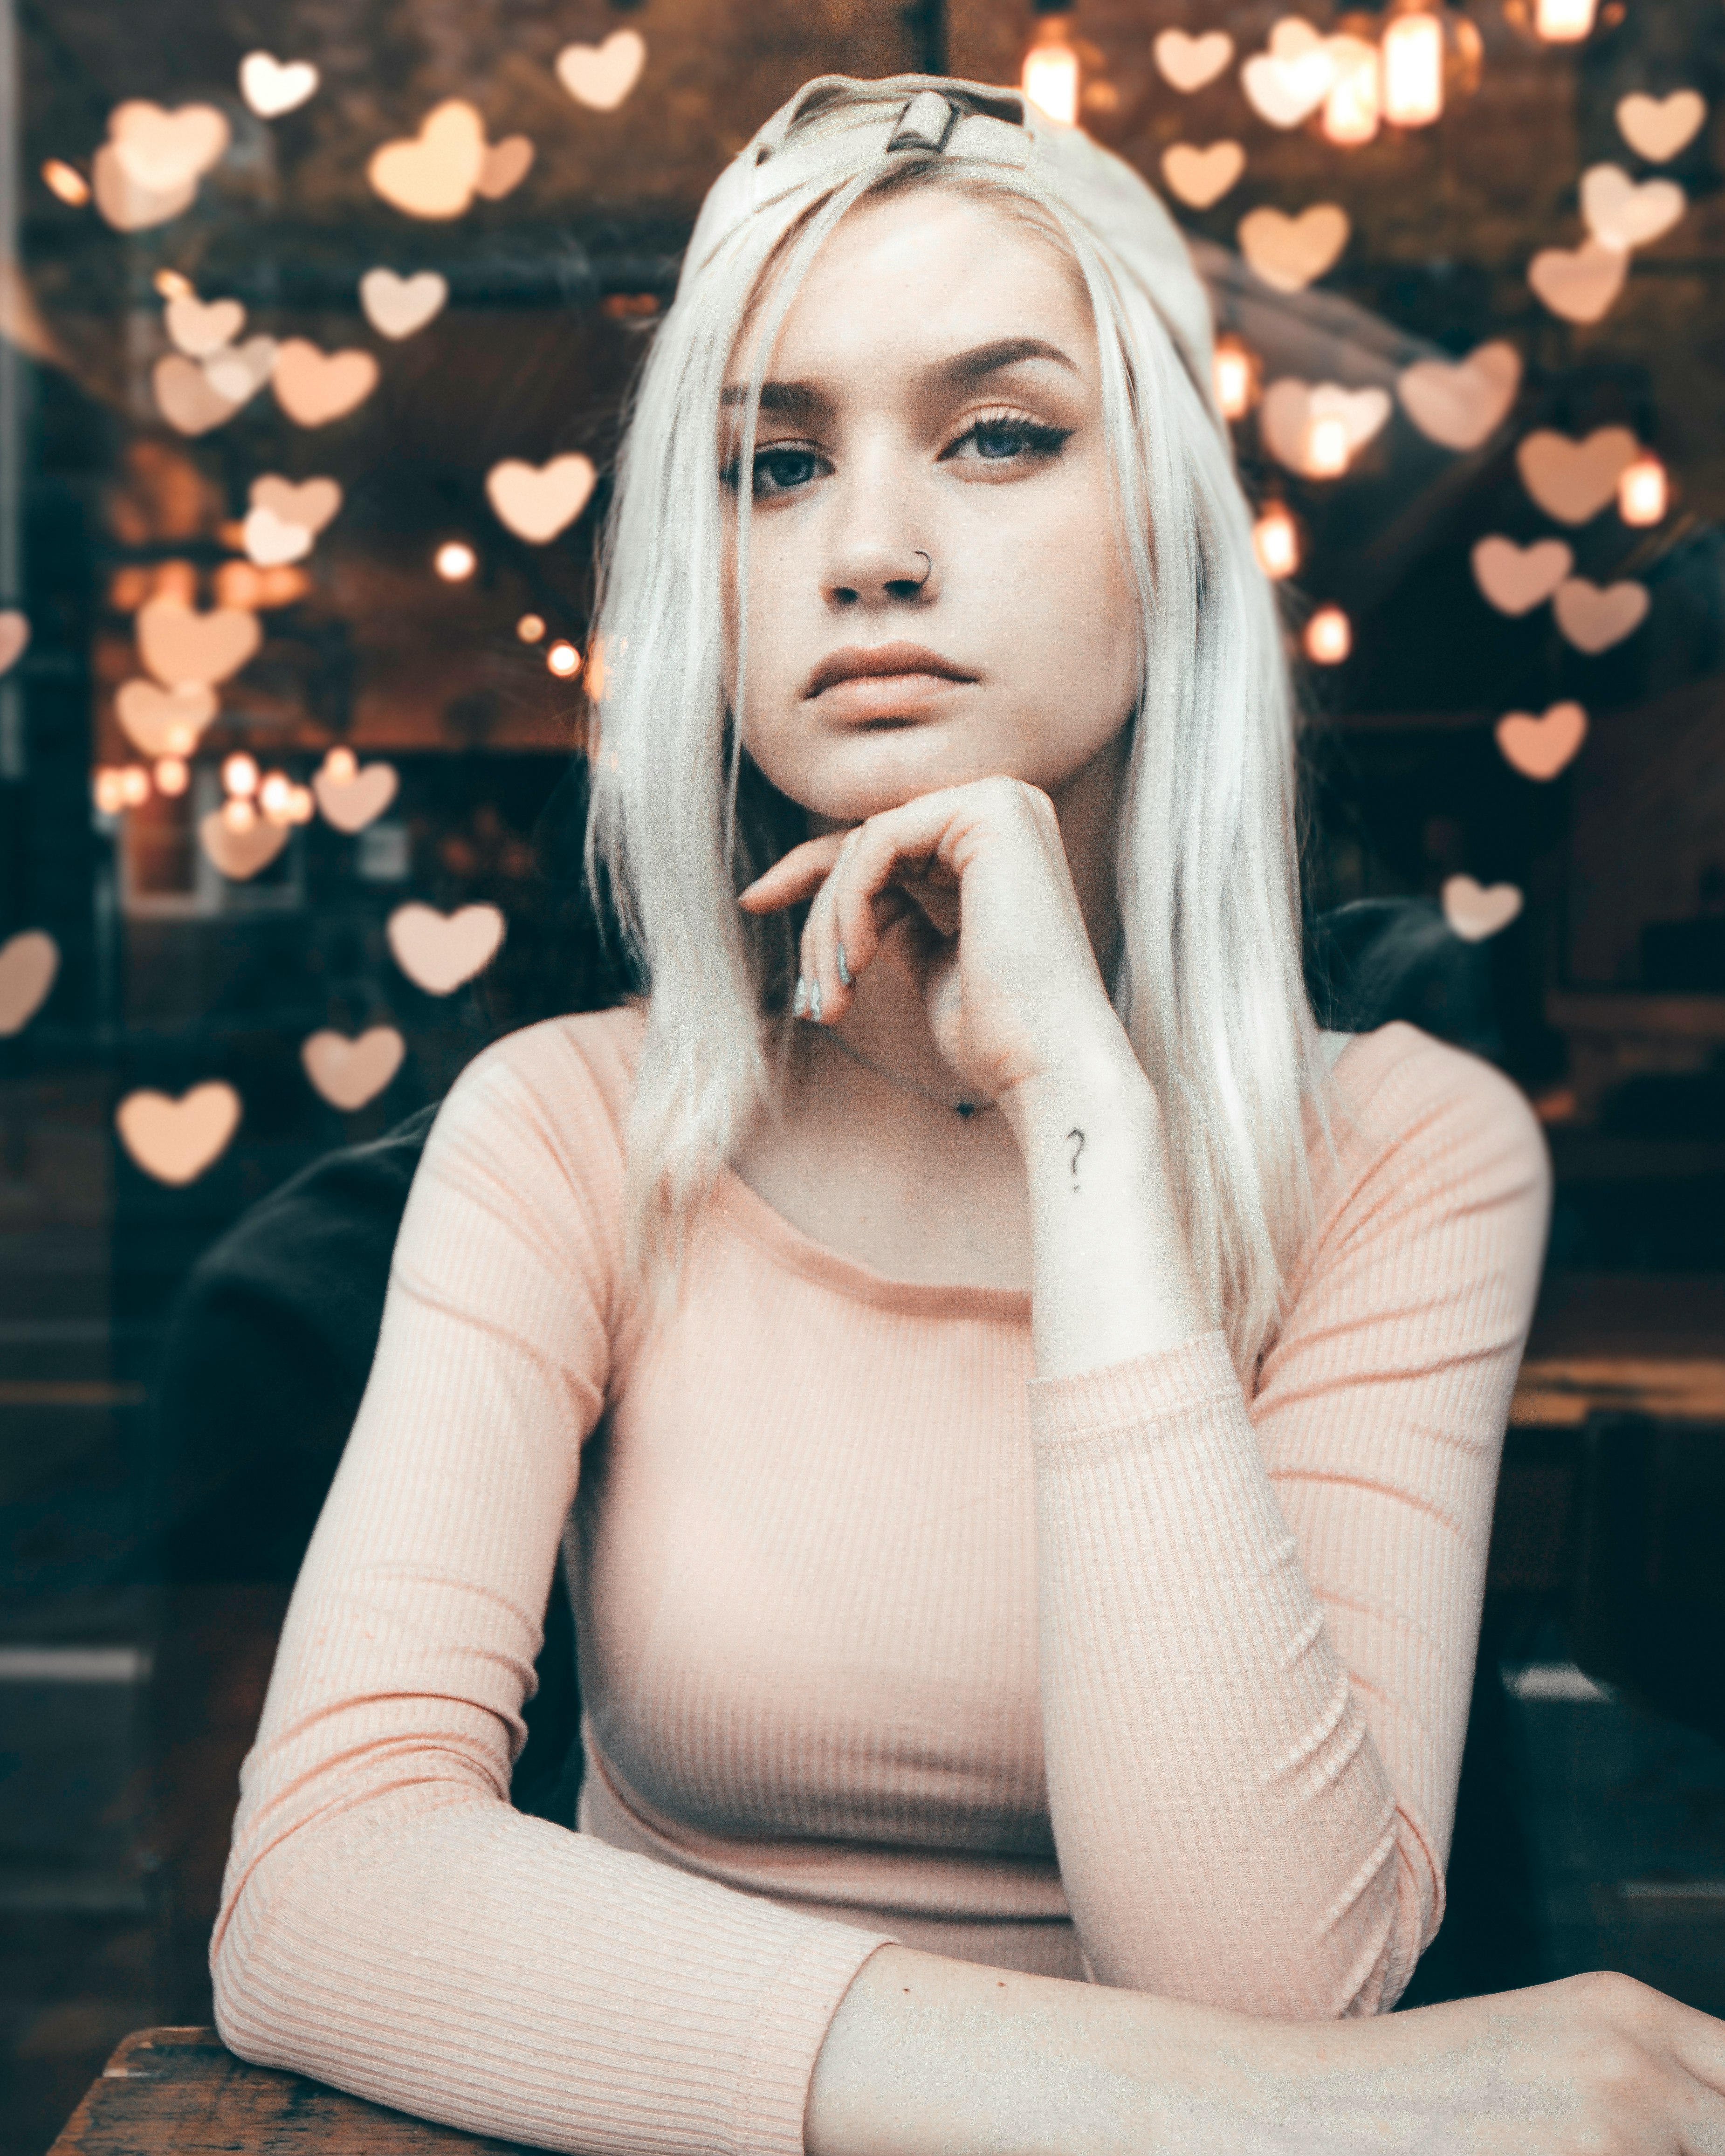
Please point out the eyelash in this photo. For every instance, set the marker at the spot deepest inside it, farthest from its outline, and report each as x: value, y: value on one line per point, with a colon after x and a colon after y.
x: 1043, y: 443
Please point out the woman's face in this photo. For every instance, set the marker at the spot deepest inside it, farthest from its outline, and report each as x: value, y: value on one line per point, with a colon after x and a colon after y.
x: 930, y: 473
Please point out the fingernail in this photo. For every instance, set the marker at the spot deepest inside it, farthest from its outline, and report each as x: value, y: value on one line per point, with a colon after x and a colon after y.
x: 814, y: 1001
x: 799, y: 1002
x: 844, y: 970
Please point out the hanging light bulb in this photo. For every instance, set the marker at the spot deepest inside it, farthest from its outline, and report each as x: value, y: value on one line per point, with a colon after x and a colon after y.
x: 173, y: 776
x: 1643, y: 490
x: 1413, y: 69
x: 341, y: 766
x: 1563, y: 21
x: 66, y: 181
x: 1329, y: 636
x: 1276, y: 541
x: 276, y: 796
x: 1049, y: 78
x: 1353, y: 107
x: 239, y: 774
x: 1235, y: 373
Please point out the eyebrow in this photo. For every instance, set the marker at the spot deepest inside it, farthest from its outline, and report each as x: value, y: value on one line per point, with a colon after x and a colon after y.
x: 963, y: 371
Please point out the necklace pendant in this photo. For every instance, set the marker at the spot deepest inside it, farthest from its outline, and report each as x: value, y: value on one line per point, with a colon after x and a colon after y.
x: 966, y: 1108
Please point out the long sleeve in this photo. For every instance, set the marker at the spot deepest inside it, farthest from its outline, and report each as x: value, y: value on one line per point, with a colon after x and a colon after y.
x: 389, y: 1923
x: 1257, y: 1618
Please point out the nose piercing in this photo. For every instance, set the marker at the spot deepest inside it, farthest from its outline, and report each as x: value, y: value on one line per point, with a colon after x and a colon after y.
x: 929, y: 570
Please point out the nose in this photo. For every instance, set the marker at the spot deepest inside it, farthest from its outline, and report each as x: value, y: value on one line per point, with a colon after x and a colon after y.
x: 875, y: 560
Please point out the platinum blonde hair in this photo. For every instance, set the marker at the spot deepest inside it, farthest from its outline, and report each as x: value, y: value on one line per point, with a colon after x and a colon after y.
x: 1208, y: 982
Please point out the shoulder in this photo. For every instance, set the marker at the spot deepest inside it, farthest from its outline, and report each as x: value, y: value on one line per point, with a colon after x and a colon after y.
x: 1411, y: 1115
x: 551, y: 1099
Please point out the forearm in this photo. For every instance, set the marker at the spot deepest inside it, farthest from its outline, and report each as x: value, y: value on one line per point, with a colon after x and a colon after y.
x: 1112, y: 1276
x: 929, y: 2056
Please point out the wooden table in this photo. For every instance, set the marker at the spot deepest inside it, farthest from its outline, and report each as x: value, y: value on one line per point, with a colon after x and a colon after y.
x: 170, y: 2091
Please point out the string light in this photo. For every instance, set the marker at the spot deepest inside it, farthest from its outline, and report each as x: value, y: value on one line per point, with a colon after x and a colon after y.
x: 1563, y: 21
x: 276, y: 796
x: 563, y: 659
x: 134, y: 785
x: 1352, y: 109
x: 1329, y: 636
x: 109, y: 797
x: 1643, y: 490
x: 239, y: 775
x: 341, y: 766
x: 1413, y: 69
x: 1276, y: 541
x: 455, y: 561
x: 300, y: 804
x: 1050, y: 78
x: 530, y: 628
x: 173, y: 775
x: 1234, y: 371
x: 66, y: 181
x: 239, y: 813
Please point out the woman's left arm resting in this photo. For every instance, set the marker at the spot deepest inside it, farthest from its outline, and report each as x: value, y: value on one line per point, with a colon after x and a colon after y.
x: 1259, y: 1616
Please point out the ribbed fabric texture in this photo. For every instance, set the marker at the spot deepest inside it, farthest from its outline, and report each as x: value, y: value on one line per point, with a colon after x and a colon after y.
x: 1136, y: 1675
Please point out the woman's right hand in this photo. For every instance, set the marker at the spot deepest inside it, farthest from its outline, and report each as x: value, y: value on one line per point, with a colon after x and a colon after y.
x: 1593, y: 2066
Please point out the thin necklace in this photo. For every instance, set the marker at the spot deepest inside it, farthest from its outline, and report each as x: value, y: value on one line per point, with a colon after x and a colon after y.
x: 965, y: 1108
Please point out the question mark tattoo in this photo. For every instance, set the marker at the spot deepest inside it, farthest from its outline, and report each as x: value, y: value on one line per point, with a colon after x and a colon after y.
x: 1076, y: 1150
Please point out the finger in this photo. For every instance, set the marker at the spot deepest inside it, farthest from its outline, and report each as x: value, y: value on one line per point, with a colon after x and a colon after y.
x: 827, y: 993
x: 794, y: 875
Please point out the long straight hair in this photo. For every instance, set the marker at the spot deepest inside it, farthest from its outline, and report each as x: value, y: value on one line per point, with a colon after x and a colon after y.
x: 1207, y: 981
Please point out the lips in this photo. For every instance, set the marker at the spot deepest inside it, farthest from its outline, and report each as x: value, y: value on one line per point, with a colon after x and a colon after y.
x: 908, y: 664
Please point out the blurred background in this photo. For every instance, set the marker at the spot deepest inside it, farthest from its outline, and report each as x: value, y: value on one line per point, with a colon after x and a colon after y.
x: 316, y: 320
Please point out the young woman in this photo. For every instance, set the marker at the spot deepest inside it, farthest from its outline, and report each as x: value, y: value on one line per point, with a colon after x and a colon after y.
x: 1020, y: 1409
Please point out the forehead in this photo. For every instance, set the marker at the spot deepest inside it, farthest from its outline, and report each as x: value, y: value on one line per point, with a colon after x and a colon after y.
x: 910, y: 277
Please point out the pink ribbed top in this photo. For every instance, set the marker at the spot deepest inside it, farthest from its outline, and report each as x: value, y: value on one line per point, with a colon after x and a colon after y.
x: 1126, y: 1674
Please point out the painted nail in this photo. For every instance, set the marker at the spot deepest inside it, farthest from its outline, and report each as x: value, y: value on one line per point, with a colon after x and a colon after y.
x: 844, y: 970
x: 799, y: 1002
x: 814, y: 1001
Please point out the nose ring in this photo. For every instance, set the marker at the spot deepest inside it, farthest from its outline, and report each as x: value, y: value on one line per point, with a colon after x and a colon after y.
x: 929, y: 570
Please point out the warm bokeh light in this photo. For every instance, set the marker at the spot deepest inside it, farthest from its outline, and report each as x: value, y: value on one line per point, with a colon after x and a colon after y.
x: 1234, y: 371
x: 276, y: 796
x: 1353, y: 108
x: 1050, y: 73
x: 1329, y: 636
x: 239, y: 774
x: 563, y: 659
x: 66, y: 181
x: 1325, y: 448
x: 172, y: 286
x: 530, y: 628
x: 134, y: 785
x: 1276, y: 541
x: 302, y: 804
x: 341, y: 766
x: 1563, y: 21
x: 1413, y: 69
x: 109, y: 798
x: 239, y: 813
x: 455, y: 561
x: 1643, y: 490
x: 173, y: 775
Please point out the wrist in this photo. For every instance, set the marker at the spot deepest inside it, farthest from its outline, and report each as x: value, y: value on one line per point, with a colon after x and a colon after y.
x: 1097, y: 1074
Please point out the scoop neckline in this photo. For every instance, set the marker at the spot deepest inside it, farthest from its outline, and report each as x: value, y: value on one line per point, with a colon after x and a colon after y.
x: 761, y: 1223
x: 751, y: 1215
